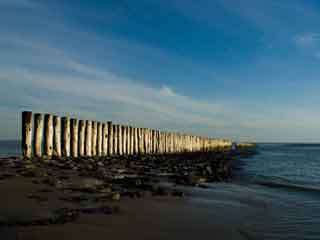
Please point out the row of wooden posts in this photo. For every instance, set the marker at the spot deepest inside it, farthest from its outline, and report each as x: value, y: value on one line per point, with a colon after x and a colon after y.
x: 45, y: 135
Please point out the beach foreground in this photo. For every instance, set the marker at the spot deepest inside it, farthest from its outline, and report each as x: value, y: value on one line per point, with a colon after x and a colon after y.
x: 128, y: 200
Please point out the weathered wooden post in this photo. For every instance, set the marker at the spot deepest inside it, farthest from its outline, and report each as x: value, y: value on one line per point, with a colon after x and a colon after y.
x: 74, y: 137
x: 56, y: 136
x: 26, y: 134
x: 173, y: 142
x: 151, y: 141
x: 155, y: 140
x: 158, y: 141
x: 161, y: 142
x: 127, y: 140
x: 94, y: 138
x: 145, y: 139
x: 120, y: 140
x: 38, y: 134
x: 148, y: 141
x: 168, y: 142
x: 82, y: 134
x: 88, y: 141
x: 48, y: 135
x: 110, y: 139
x: 130, y: 135
x: 104, y: 149
x: 115, y: 139
x: 124, y: 140
x: 140, y: 141
x: 136, y: 141
x: 99, y: 139
x: 65, y: 136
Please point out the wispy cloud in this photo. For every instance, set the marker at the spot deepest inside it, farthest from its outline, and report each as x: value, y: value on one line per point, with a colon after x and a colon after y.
x: 309, y: 42
x: 307, y: 39
x: 63, y: 69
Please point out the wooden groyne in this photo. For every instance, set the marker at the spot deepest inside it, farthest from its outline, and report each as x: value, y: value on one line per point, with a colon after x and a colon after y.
x: 45, y: 135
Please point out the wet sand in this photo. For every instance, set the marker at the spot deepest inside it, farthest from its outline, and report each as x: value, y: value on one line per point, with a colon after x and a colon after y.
x: 147, y: 218
x: 118, y: 198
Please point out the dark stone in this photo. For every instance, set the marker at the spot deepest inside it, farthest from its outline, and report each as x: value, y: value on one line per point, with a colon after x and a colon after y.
x: 177, y: 193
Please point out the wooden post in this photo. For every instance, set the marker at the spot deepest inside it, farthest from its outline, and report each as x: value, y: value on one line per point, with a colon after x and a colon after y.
x: 56, y: 136
x: 120, y: 148
x: 38, y: 134
x: 140, y: 142
x: 149, y: 137
x: 155, y: 141
x: 88, y: 140
x: 82, y: 137
x: 124, y: 140
x: 48, y: 135
x: 115, y: 139
x: 144, y: 139
x: 136, y: 141
x: 66, y: 136
x: 148, y: 140
x: 94, y: 138
x: 99, y: 139
x: 104, y: 149
x: 131, y: 140
x: 110, y: 139
x: 26, y: 134
x: 74, y: 137
x: 160, y: 142
x: 128, y: 140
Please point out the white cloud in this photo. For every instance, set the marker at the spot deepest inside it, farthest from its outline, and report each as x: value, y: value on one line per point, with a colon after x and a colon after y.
x: 307, y: 39
x: 43, y: 72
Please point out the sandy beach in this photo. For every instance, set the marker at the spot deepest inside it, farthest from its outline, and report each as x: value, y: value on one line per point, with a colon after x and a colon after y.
x: 55, y: 199
x: 147, y: 218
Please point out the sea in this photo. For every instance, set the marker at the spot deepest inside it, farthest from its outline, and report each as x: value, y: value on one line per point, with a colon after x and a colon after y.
x: 281, y: 183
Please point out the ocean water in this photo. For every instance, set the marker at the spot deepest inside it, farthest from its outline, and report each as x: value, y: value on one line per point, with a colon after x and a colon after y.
x: 285, y: 180
x: 9, y: 148
x: 279, y: 188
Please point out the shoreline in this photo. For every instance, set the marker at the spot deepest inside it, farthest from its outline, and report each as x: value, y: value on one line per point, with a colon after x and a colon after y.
x: 138, y: 196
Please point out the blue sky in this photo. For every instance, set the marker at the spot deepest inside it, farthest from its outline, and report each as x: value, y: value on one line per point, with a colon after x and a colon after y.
x: 247, y: 70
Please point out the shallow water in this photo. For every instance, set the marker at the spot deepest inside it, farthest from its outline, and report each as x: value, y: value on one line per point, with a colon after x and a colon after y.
x: 282, y: 182
x: 9, y: 148
x: 279, y: 188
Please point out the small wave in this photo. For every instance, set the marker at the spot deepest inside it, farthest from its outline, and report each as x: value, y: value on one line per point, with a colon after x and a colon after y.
x: 288, y: 185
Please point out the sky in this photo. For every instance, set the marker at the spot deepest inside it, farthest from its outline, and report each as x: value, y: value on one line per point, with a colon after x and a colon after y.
x: 247, y: 70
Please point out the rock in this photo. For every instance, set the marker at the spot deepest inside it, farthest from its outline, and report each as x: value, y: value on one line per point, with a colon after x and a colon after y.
x: 203, y: 186
x: 38, y: 198
x: 115, y: 196
x: 159, y: 191
x: 79, y: 198
x: 100, y: 164
x: 28, y: 173
x: 177, y: 193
